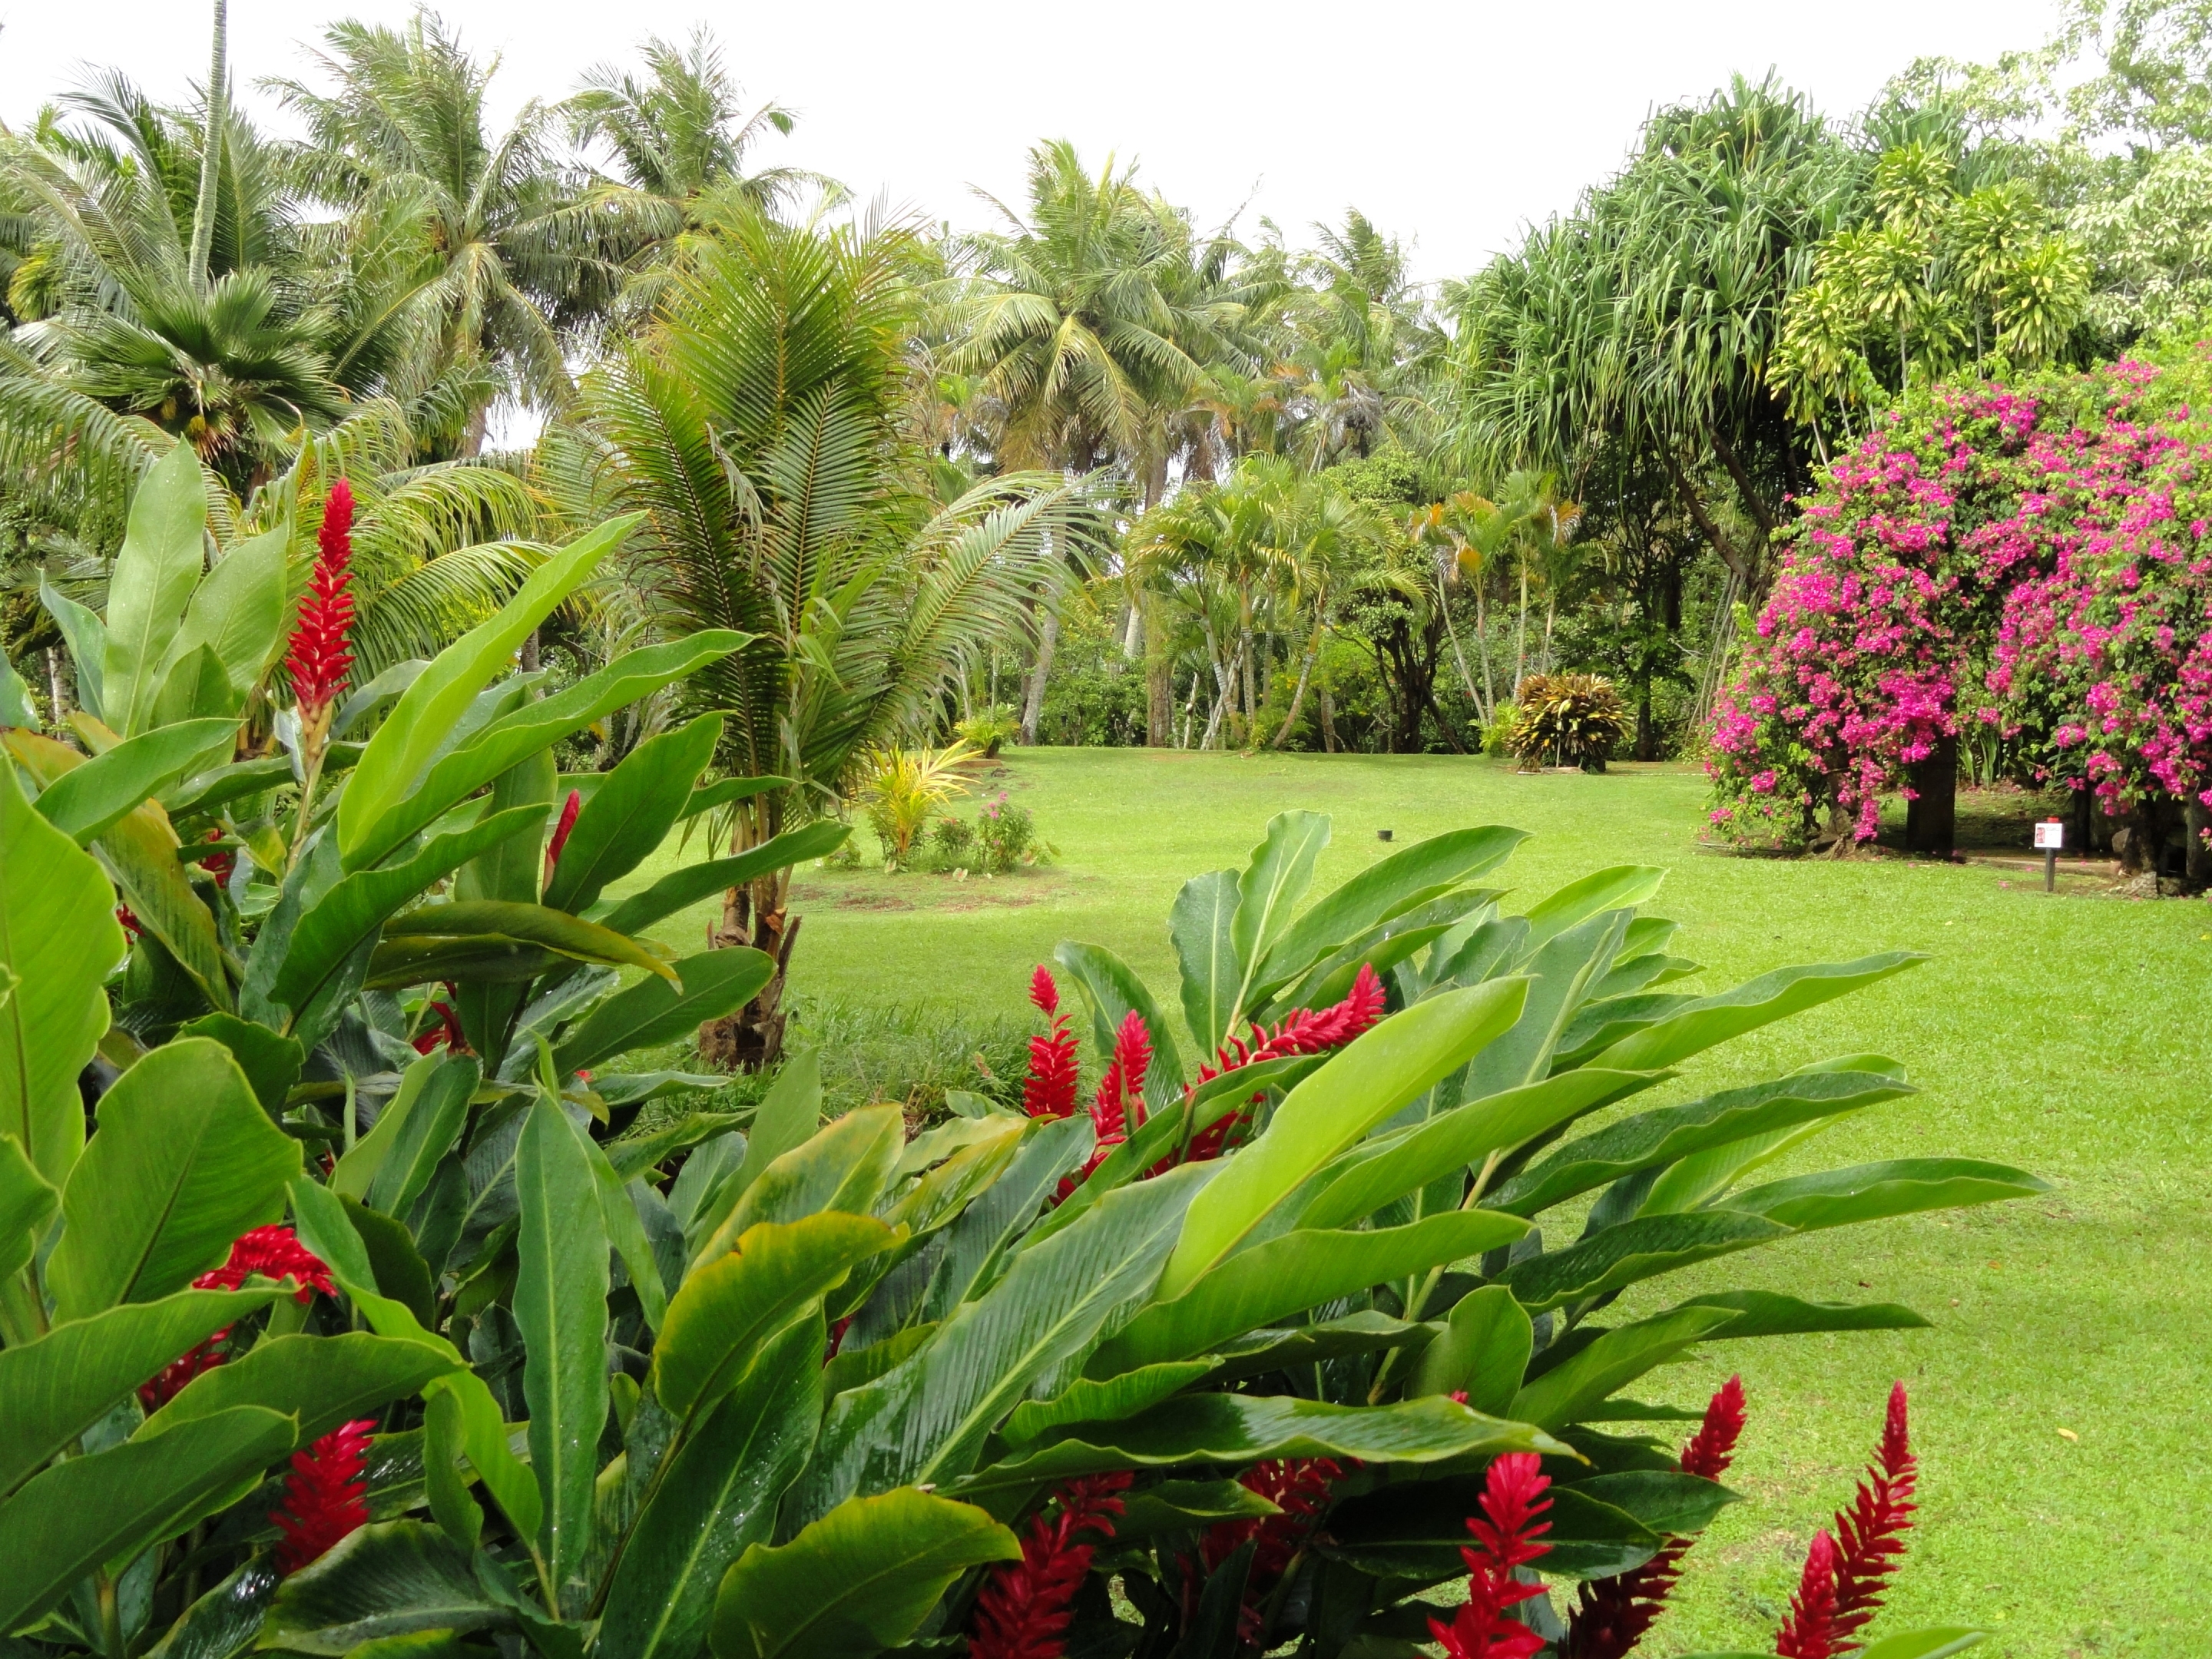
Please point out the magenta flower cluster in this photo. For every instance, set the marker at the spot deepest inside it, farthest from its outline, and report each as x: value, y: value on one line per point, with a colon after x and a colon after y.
x: 2035, y: 559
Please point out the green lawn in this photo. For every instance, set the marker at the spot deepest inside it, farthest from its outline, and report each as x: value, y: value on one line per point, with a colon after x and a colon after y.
x: 2069, y: 1036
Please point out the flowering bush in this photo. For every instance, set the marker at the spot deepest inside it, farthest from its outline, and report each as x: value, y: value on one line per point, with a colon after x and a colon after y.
x: 2037, y: 555
x: 1007, y: 832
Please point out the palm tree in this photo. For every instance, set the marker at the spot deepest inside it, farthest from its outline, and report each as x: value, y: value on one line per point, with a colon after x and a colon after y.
x: 759, y: 425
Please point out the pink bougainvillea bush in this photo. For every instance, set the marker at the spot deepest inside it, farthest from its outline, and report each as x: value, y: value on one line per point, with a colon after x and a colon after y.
x: 2034, y: 558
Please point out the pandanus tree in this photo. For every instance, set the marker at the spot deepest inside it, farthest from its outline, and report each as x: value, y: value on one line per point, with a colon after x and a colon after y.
x: 757, y: 427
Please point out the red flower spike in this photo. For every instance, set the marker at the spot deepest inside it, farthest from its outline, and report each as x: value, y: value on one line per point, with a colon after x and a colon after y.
x: 447, y: 1030
x: 319, y: 658
x: 1049, y: 1089
x: 1299, y: 1488
x: 221, y: 863
x: 1505, y: 1536
x: 131, y: 925
x: 1303, y: 1031
x: 1809, y: 1631
x: 1120, y: 1103
x: 272, y: 1252
x: 1710, y: 1451
x: 1044, y: 991
x: 1023, y: 1609
x: 569, y: 808
x: 1870, y: 1534
x: 326, y: 1497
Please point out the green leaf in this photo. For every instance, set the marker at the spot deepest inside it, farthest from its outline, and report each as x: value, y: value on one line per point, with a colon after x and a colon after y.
x: 631, y: 813
x: 1923, y: 1644
x: 425, y: 717
x: 198, y: 688
x: 1559, y: 973
x: 685, y: 887
x: 1660, y: 1137
x: 221, y: 785
x: 976, y: 1245
x: 927, y: 1419
x: 788, y: 1117
x: 1484, y: 1350
x: 1280, y: 871
x: 86, y: 1511
x: 1415, y: 1529
x: 514, y: 737
x: 1875, y: 1192
x: 389, y: 1578
x: 1239, y: 1429
x: 1256, y: 1353
x: 654, y: 1012
x: 530, y: 924
x: 1383, y: 889
x: 237, y: 612
x: 58, y: 940
x: 162, y: 555
x: 401, y: 1273
x: 1177, y: 1505
x: 223, y: 1623
x: 1641, y: 1249
x: 1380, y: 1073
x: 857, y: 1581
x: 272, y: 1063
x: 1112, y: 989
x: 1202, y: 926
x: 717, y: 1497
x: 427, y: 1133
x: 708, y: 796
x: 141, y: 849
x: 560, y: 1302
x: 1297, y: 1270
x: 1757, y: 1002
x: 1770, y: 1313
x: 729, y: 1309
x: 633, y: 1155
x: 1406, y: 1160
x: 27, y: 1202
x: 846, y: 1165
x: 322, y: 1382
x: 86, y: 801
x: 1615, y: 1359
x: 54, y: 1389
x: 87, y: 645
x: 15, y: 706
x: 1623, y: 887
x: 185, y: 1160
x: 1109, y: 1400
x: 1680, y: 1504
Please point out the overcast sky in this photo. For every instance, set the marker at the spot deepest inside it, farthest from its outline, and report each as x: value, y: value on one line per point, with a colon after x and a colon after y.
x: 1451, y: 125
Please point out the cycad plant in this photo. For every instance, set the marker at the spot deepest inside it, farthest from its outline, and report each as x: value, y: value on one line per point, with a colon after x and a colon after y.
x: 756, y: 427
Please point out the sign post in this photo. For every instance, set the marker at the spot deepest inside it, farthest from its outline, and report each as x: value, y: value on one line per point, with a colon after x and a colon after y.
x: 2049, y: 837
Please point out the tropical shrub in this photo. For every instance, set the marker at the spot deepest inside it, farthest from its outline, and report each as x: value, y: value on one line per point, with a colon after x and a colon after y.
x: 899, y: 788
x: 1006, y: 831
x: 952, y: 841
x: 1498, y: 735
x: 990, y: 729
x: 1566, y: 719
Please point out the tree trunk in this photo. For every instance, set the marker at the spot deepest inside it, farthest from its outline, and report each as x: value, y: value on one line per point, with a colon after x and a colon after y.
x: 756, y: 914
x: 2198, y: 870
x: 1298, y: 691
x: 1647, y: 735
x: 1931, y: 819
x: 472, y: 435
x: 530, y: 654
x: 1159, y: 678
x: 1328, y: 722
x: 1741, y: 568
x: 1521, y: 635
x: 1047, y: 638
x: 56, y: 690
x: 1482, y: 650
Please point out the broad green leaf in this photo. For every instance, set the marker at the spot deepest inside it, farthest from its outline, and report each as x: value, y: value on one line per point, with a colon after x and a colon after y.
x: 530, y: 924
x: 1623, y: 887
x: 626, y: 1231
x: 426, y: 1134
x: 237, y: 612
x: 1240, y: 1429
x: 86, y: 801
x: 319, y: 1380
x: 1923, y: 1644
x: 27, y: 1202
x: 1415, y: 1530
x: 54, y: 1389
x: 162, y: 555
x: 224, y: 1622
x: 514, y: 737
x: 652, y: 1011
x: 1180, y: 1505
x: 708, y: 796
x: 560, y: 1301
x: 1483, y: 1350
x: 272, y: 1063
x: 1875, y: 1192
x: 1770, y: 1313
x: 1202, y: 926
x: 1670, y: 1132
x: 1108, y: 1400
x: 729, y: 1309
x: 716, y: 1497
x: 1699, y: 1179
x: 1615, y: 1359
x: 857, y: 1581
x: 631, y: 813
x: 1294, y: 1271
x: 787, y: 1119
x: 87, y: 636
x: 1112, y: 989
x: 683, y: 888
x: 846, y: 1165
x: 401, y: 1273
x: 513, y: 869
x: 140, y: 849
x: 221, y: 785
x: 976, y: 1244
x: 1368, y: 1081
x: 86, y: 1511
x: 355, y: 1172
x: 198, y: 688
x: 404, y: 745
x: 58, y: 940
x: 1757, y: 1002
x: 1280, y: 871
x: 1406, y: 1160
x: 927, y: 1419
x: 633, y: 1155
x: 483, y: 959
x: 1559, y: 973
x: 15, y: 706
x: 389, y: 1578
x: 184, y: 1161
x: 1620, y: 1255
x: 1267, y: 1349
x: 1678, y: 1504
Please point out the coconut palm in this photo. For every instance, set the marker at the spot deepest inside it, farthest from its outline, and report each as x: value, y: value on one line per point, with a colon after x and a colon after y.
x: 759, y: 426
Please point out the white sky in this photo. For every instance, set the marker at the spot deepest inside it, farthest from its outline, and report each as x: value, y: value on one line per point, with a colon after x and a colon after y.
x: 1450, y: 125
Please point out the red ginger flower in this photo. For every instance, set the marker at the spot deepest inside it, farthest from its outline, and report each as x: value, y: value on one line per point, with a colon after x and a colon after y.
x: 326, y: 1496
x: 1303, y: 1031
x: 569, y: 808
x: 319, y: 658
x: 445, y: 1028
x: 1024, y: 1610
x: 1049, y: 1089
x: 1869, y: 1536
x: 1299, y: 1488
x: 1120, y: 1103
x: 1809, y: 1631
x: 1611, y: 1615
x: 272, y: 1252
x: 1505, y: 1536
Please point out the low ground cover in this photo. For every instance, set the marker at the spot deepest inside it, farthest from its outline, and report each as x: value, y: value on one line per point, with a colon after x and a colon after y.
x: 2051, y: 1400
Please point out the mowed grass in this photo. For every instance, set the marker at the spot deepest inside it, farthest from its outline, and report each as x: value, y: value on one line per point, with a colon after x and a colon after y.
x: 2060, y: 1402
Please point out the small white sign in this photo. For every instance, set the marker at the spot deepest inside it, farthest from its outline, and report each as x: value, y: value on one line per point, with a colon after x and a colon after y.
x: 2050, y: 836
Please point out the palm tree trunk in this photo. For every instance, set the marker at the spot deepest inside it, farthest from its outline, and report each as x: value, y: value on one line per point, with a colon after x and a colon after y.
x: 1298, y: 691
x: 756, y: 914
x: 1521, y: 634
x: 1047, y: 639
x: 211, y: 148
x: 1328, y: 722
x: 1481, y: 709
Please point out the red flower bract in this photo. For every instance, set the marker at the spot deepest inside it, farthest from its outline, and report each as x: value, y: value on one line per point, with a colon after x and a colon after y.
x: 325, y: 1497
x: 1869, y: 1536
x: 320, y: 658
x: 1023, y: 1609
x: 1302, y: 1032
x: 1505, y: 1535
x: 554, y: 847
x: 1809, y: 1631
x: 1049, y: 1089
x: 273, y: 1252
